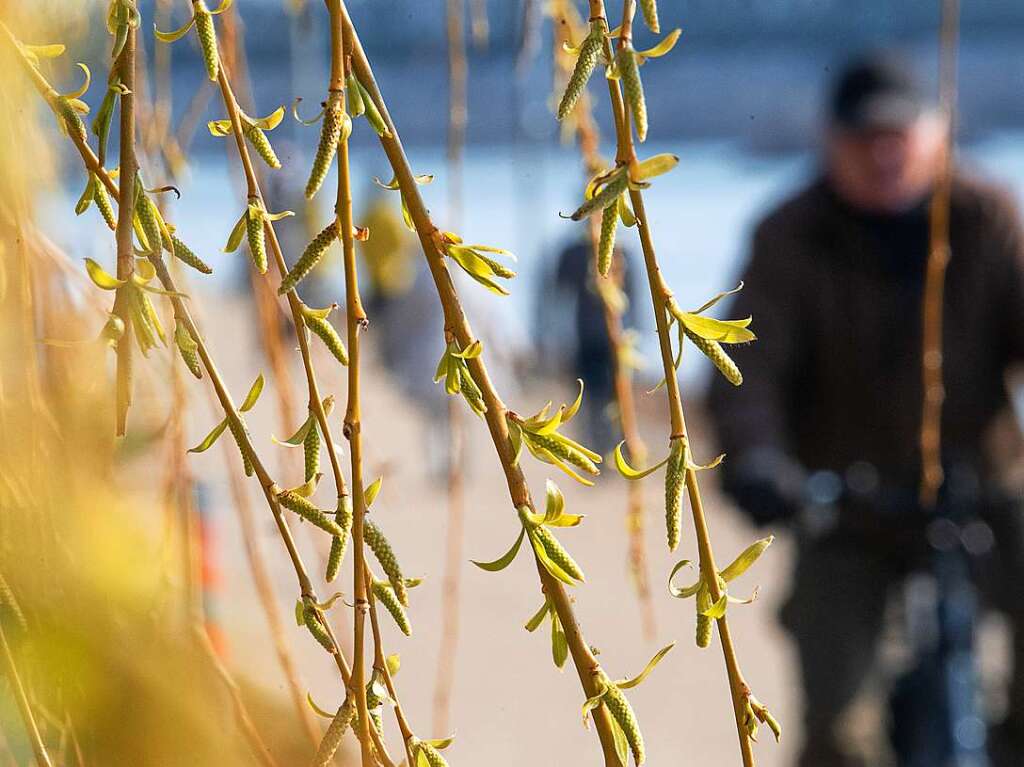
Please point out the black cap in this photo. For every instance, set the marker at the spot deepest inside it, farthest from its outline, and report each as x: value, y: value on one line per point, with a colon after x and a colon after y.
x: 877, y: 91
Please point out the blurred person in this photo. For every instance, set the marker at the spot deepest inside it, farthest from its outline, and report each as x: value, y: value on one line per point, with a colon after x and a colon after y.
x: 590, y: 348
x: 831, y: 405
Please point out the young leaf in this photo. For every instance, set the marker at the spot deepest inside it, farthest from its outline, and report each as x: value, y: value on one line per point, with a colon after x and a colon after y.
x: 625, y: 684
x: 628, y: 471
x: 505, y: 559
x: 210, y: 438
x: 100, y: 277
x: 370, y: 494
x: 750, y: 555
x: 253, y: 395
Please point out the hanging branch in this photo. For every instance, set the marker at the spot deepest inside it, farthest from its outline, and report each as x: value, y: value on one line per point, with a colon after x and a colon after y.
x: 935, y: 271
x: 24, y: 708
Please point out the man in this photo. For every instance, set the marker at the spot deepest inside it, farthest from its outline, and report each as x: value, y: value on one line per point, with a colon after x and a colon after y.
x: 831, y: 405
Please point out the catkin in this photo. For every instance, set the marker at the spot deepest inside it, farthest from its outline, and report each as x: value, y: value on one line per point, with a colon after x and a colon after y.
x: 563, y: 451
x: 311, y: 452
x: 433, y: 756
x: 237, y: 433
x: 146, y: 212
x: 590, y: 51
x: 386, y: 596
x: 73, y: 123
x: 556, y: 551
x: 326, y: 332
x: 256, y: 235
x: 632, y: 85
x: 382, y: 550
x: 470, y: 391
x: 650, y: 11
x: 187, y: 348
x: 310, y: 257
x: 606, y: 244
x: 335, y: 732
x: 305, y: 509
x: 186, y: 255
x: 316, y: 628
x: 343, y: 516
x: 102, y: 201
x: 7, y: 600
x: 675, y: 479
x: 622, y: 712
x: 496, y: 266
x: 207, y: 40
x: 714, y: 352
x: 330, y: 134
x: 261, y: 144
x: 609, y: 193
x: 704, y: 604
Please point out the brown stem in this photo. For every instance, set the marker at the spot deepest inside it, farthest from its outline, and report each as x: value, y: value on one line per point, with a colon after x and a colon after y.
x: 126, y: 211
x: 935, y: 271
x: 458, y: 326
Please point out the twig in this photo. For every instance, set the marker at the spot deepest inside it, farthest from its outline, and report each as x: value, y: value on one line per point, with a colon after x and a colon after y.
x: 31, y: 728
x: 935, y: 272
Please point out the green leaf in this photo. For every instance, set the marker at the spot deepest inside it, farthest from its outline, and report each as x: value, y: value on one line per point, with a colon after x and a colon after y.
x: 549, y: 564
x: 723, y: 331
x: 253, y: 395
x: 394, y: 662
x: 370, y: 494
x: 654, y: 166
x: 224, y: 5
x: 667, y: 44
x: 625, y: 684
x: 87, y: 197
x: 235, y: 238
x: 515, y: 434
x: 591, y: 703
x: 555, y: 502
x: 100, y: 277
x: 441, y: 743
x: 682, y: 593
x: 505, y: 559
x: 421, y: 758
x: 559, y: 644
x: 717, y: 610
x: 538, y: 617
x: 472, y: 351
x: 749, y: 556
x: 574, y: 408
x: 272, y: 120
x: 621, y: 742
x: 177, y: 34
x: 309, y: 696
x: 718, y: 297
x: 299, y: 436
x: 219, y: 128
x: 628, y: 471
x: 210, y: 438
x: 73, y: 95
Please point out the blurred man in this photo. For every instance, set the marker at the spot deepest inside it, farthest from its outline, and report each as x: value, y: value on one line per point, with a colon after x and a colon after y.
x: 830, y: 411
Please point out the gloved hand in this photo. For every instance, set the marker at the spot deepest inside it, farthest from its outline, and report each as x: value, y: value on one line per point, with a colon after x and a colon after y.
x: 766, y: 484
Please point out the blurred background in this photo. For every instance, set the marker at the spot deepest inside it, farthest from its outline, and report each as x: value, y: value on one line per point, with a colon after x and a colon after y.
x: 740, y: 100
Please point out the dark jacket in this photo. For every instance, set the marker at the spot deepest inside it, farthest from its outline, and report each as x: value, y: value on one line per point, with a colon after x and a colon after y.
x: 835, y: 375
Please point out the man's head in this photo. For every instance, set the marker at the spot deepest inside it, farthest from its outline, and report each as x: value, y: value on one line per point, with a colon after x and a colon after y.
x: 885, y: 139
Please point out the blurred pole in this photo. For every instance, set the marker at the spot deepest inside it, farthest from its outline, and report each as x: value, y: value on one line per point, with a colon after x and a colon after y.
x: 938, y: 258
x: 457, y: 117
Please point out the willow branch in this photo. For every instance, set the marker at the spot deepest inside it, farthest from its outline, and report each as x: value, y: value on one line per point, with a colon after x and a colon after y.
x: 457, y: 326
x: 31, y: 728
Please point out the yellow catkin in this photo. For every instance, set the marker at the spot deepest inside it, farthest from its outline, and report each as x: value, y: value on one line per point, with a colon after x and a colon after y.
x: 335, y: 732
x: 257, y: 238
x: 236, y: 432
x: 261, y: 144
x: 704, y: 604
x: 330, y: 134
x: 633, y: 87
x: 606, y: 243
x: 622, y: 712
x: 386, y: 596
x: 556, y: 551
x: 305, y: 509
x: 146, y: 212
x: 496, y: 266
x: 650, y: 11
x: 386, y: 557
x: 187, y: 347
x: 563, y: 451
x: 431, y: 754
x: 311, y: 452
x: 718, y: 356
x: 8, y: 601
x: 73, y: 123
x: 675, y: 479
x: 609, y: 193
x: 470, y: 391
x: 343, y: 517
x: 186, y: 255
x: 325, y: 331
x: 316, y: 628
x: 310, y: 257
x: 590, y: 51
x: 207, y: 40
x: 103, y: 205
